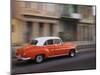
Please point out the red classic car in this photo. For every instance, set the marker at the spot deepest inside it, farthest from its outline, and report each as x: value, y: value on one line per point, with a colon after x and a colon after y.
x: 45, y: 47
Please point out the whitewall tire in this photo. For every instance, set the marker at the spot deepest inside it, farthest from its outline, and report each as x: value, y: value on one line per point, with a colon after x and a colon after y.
x: 39, y: 58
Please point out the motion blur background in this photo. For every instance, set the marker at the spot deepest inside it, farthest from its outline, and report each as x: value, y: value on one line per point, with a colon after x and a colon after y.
x: 35, y: 19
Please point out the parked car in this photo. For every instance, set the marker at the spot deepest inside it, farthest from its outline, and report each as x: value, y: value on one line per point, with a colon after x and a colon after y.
x: 45, y: 47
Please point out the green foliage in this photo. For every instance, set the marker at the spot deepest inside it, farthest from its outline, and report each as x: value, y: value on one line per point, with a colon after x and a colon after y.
x: 65, y: 36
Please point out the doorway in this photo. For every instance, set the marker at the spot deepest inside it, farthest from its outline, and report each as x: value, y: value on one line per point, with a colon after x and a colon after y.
x: 28, y: 31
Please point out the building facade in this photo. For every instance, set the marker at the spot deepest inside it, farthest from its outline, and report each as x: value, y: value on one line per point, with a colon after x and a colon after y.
x: 79, y: 22
x: 87, y: 25
x: 34, y: 19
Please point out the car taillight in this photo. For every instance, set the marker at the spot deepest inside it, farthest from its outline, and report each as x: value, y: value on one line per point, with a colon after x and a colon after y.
x: 24, y: 54
x: 18, y: 52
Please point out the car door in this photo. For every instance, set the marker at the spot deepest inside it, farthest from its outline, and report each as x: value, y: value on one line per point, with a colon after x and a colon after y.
x: 60, y: 49
x: 50, y: 46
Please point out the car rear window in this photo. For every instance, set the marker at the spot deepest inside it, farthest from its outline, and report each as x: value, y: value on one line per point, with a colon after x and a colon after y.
x: 34, y: 42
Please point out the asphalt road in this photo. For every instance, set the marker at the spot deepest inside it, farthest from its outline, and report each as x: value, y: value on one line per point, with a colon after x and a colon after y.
x: 84, y: 60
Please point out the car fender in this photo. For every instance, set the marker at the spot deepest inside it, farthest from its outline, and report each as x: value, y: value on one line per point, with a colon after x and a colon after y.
x: 41, y: 51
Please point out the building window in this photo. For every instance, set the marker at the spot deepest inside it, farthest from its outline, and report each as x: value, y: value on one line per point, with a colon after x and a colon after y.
x: 75, y: 8
x: 41, y: 26
x: 20, y: 4
x: 40, y: 6
x: 49, y: 6
x: 51, y: 29
x: 29, y: 31
x: 27, y: 4
x: 34, y: 5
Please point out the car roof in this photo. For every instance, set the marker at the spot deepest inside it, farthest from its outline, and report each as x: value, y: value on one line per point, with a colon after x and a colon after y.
x: 41, y: 40
x: 46, y: 38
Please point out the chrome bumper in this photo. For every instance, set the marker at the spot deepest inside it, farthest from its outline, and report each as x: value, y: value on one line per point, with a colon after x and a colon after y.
x: 22, y: 58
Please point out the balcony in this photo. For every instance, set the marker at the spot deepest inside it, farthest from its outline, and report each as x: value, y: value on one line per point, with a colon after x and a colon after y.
x: 71, y: 16
x: 75, y: 15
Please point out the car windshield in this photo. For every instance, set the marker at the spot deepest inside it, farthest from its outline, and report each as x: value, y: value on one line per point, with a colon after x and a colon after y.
x: 34, y: 42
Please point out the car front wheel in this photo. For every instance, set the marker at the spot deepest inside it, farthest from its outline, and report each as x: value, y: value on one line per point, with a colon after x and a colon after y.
x: 39, y: 58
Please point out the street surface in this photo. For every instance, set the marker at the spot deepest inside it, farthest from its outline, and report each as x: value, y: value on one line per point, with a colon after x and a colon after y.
x: 84, y: 60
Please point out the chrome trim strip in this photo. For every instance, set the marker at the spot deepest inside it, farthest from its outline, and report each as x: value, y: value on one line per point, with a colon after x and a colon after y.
x: 58, y: 55
x: 19, y: 57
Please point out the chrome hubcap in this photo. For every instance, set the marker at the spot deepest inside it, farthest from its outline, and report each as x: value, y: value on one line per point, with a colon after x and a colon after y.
x: 39, y: 59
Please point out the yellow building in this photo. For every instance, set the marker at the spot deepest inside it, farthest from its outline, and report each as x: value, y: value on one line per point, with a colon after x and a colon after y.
x: 17, y: 29
x: 33, y: 20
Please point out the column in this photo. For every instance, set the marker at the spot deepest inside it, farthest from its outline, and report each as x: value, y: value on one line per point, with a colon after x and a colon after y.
x: 55, y: 29
x: 46, y: 29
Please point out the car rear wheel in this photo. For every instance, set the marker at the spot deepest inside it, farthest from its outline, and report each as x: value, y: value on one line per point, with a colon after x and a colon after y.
x: 72, y: 53
x: 39, y: 58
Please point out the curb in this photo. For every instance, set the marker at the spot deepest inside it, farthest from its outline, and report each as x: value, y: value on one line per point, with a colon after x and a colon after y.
x: 86, y: 46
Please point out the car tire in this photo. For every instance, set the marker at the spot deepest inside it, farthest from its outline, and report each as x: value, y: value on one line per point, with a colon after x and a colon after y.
x: 72, y: 53
x: 39, y: 58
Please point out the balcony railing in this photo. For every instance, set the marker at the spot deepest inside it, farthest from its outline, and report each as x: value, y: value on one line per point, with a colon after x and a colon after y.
x: 72, y: 15
x: 75, y: 15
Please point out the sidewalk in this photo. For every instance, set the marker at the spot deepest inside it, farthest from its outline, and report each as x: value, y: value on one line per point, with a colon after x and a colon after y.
x: 85, y: 44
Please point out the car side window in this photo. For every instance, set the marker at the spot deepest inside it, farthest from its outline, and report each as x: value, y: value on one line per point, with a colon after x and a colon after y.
x: 48, y: 42
x: 57, y: 41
